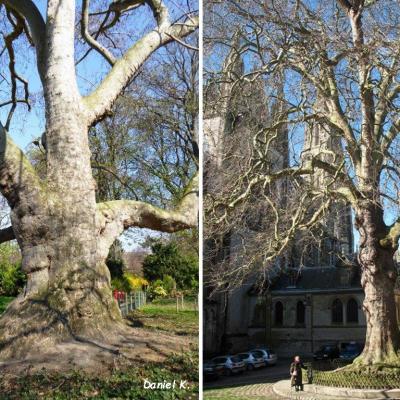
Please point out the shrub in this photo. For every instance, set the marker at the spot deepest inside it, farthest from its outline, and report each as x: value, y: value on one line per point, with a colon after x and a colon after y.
x: 12, y: 279
x: 169, y: 284
x: 135, y: 282
x: 159, y: 291
x: 119, y: 284
x: 129, y: 282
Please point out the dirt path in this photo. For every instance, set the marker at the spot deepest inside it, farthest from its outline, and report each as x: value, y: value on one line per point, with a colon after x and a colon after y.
x: 135, y: 345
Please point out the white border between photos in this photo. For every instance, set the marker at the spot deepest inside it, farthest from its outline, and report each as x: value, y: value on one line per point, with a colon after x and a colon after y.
x: 200, y: 130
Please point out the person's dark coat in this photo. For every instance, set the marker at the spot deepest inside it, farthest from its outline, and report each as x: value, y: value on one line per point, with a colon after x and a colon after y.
x: 296, y: 373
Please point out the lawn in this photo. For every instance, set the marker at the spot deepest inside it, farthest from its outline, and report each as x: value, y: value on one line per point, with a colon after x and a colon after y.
x: 4, y: 302
x: 120, y: 384
x: 162, y: 315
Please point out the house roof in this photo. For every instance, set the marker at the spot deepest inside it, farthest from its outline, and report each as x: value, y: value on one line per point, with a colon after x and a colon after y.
x: 318, y: 278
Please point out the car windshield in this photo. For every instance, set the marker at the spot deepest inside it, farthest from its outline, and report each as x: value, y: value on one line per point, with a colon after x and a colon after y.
x: 327, y: 348
x: 236, y: 359
x: 220, y: 360
x: 352, y: 347
x: 257, y: 353
x: 242, y: 356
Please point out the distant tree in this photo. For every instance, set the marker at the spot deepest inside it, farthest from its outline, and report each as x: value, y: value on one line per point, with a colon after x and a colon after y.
x: 154, y: 123
x: 133, y: 261
x: 166, y: 259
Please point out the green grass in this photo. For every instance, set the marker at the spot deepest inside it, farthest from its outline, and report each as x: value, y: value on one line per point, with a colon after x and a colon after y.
x: 162, y: 315
x: 119, y: 384
x: 4, y: 302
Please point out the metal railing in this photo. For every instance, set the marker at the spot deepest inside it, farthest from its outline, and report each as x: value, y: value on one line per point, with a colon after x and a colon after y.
x: 131, y: 301
x: 325, y: 373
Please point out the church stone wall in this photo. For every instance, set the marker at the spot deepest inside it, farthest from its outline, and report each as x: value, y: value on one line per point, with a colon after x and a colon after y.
x: 318, y: 329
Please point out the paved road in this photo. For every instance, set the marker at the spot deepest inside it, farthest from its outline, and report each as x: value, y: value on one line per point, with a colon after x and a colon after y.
x: 251, y: 385
x: 259, y: 376
x: 258, y: 391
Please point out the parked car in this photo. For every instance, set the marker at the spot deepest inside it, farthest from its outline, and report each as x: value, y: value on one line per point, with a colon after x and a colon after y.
x: 327, y: 352
x: 270, y: 357
x: 230, y: 364
x: 351, y: 351
x: 252, y: 359
x: 211, y: 371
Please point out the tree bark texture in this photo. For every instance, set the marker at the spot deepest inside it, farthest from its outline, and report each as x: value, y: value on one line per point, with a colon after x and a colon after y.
x: 378, y: 281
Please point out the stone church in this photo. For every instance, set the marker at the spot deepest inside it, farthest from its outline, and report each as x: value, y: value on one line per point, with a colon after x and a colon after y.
x: 306, y: 303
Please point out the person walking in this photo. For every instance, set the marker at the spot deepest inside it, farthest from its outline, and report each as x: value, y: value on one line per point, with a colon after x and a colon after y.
x: 296, y: 374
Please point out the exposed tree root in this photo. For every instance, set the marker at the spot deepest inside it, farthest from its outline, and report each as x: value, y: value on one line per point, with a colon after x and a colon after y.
x: 134, y: 345
x: 34, y: 335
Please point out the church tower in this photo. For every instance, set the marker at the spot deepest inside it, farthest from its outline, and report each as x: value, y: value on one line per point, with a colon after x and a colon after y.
x: 218, y: 98
x: 321, y: 142
x: 235, y: 110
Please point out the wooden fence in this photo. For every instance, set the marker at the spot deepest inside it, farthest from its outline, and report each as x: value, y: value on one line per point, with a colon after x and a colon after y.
x: 183, y: 304
x: 128, y: 302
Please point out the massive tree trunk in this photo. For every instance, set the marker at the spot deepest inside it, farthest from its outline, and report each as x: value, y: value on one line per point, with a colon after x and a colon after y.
x: 378, y: 281
x: 63, y: 234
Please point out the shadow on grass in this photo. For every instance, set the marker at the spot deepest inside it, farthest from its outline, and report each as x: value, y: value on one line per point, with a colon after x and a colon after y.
x: 164, y: 317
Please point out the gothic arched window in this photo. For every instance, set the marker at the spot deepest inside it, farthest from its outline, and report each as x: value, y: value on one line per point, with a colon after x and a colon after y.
x: 352, y: 311
x: 337, y: 312
x: 278, y: 313
x: 300, y: 313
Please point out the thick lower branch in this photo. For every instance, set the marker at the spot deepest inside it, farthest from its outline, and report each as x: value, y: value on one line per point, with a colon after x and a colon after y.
x: 101, y: 100
x: 116, y: 216
x: 7, y: 234
x: 18, y: 179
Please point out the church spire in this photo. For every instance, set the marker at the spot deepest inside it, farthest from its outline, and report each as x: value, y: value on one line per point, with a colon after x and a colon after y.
x: 218, y: 99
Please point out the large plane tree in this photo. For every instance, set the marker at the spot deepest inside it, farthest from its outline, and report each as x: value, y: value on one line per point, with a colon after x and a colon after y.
x: 339, y: 67
x: 63, y: 234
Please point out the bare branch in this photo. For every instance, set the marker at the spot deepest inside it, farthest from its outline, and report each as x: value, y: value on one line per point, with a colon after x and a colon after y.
x: 93, y: 43
x: 184, y: 43
x: 28, y: 10
x: 9, y: 39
